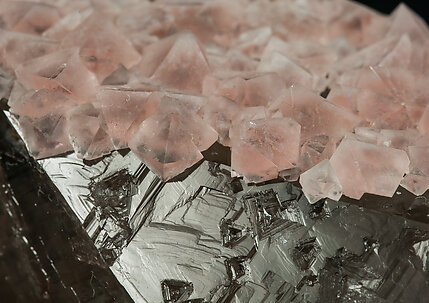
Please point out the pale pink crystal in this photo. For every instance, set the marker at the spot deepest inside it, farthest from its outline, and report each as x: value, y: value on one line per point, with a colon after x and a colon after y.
x: 230, y: 61
x: 359, y: 24
x: 417, y: 181
x: 315, y: 150
x: 315, y: 115
x: 16, y: 48
x: 123, y: 110
x: 290, y: 71
x: 260, y: 66
x: 423, y: 125
x: 39, y: 103
x: 171, y: 139
x: 260, y: 89
x: 144, y: 23
x: 399, y: 139
x: 263, y: 147
x: 321, y: 182
x: 178, y: 61
x: 405, y: 21
x: 215, y: 21
x: 311, y: 55
x: 88, y: 132
x: 67, y: 24
x: 102, y: 46
x: 367, y: 56
x: 415, y: 184
x: 43, y: 121
x: 62, y: 71
x: 143, y: 17
x: 253, y: 42
x: 379, y: 111
x: 28, y: 17
x: 367, y: 168
x: 219, y: 112
x: 45, y: 137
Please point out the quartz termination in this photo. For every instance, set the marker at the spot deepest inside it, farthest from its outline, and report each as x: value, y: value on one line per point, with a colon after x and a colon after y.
x: 328, y: 89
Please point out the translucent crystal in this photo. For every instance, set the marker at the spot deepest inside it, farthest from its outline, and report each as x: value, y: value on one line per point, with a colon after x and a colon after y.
x: 178, y: 61
x: 321, y: 182
x: 263, y: 147
x: 123, y: 110
x: 101, y: 46
x: 367, y: 168
x: 88, y: 132
x: 63, y: 71
x: 171, y: 139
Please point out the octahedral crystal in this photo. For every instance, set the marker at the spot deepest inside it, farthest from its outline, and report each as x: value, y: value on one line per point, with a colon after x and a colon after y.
x: 101, y: 46
x: 171, y: 139
x: 263, y: 147
x: 287, y: 85
x: 320, y: 182
x: 177, y: 61
x: 57, y: 71
x: 123, y: 110
x: 363, y: 167
x: 28, y: 17
x: 88, y: 132
x: 16, y: 48
x: 417, y: 181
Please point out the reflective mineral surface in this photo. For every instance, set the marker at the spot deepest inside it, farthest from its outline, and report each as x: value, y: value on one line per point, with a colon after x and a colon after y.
x: 213, y: 151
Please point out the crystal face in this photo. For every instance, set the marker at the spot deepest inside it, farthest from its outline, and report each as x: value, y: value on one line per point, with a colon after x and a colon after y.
x: 285, y: 85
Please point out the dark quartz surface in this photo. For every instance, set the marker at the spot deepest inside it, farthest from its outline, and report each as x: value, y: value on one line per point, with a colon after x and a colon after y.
x: 45, y: 254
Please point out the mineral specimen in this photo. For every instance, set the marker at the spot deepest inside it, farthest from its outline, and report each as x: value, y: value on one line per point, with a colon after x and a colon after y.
x: 287, y: 85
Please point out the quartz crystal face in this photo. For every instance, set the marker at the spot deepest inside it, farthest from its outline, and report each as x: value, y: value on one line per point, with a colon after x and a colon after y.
x: 172, y: 129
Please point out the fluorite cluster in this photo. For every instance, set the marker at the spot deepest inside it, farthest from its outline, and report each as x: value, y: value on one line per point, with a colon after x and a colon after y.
x: 324, y: 88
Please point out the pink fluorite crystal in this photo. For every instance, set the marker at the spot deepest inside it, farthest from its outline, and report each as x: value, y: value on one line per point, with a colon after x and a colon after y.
x: 417, y: 181
x: 57, y: 71
x: 171, y: 139
x: 123, y: 110
x: 315, y: 114
x: 321, y: 182
x: 178, y: 61
x: 88, y: 132
x: 16, y: 48
x: 102, y: 46
x: 263, y: 147
x: 28, y: 17
x: 329, y: 90
x: 367, y: 168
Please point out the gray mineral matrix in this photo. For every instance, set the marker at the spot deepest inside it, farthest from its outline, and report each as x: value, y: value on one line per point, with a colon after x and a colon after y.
x: 208, y: 237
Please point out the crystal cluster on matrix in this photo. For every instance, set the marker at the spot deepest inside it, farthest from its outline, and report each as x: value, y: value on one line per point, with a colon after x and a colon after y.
x: 329, y: 90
